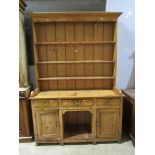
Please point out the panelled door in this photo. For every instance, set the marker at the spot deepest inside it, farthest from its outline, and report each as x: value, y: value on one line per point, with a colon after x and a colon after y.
x: 48, y: 124
x: 107, y: 123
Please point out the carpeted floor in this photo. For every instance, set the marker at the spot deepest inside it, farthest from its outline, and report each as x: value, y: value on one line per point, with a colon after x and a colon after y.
x: 125, y: 148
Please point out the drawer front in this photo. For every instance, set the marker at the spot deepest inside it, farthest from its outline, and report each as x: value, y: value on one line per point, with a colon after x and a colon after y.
x: 77, y: 102
x: 108, y: 102
x: 45, y: 103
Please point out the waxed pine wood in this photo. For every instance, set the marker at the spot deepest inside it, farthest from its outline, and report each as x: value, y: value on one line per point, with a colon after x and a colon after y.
x: 75, y: 64
x: 75, y: 49
x: 47, y: 122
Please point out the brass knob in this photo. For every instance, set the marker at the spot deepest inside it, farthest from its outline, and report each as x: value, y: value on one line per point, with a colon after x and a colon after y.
x: 77, y: 103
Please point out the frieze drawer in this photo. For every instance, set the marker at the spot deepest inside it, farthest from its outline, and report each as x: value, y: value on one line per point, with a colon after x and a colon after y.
x: 108, y: 102
x: 77, y: 102
x: 45, y: 103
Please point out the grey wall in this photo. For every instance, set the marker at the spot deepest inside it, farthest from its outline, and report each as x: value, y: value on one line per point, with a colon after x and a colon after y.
x: 65, y: 5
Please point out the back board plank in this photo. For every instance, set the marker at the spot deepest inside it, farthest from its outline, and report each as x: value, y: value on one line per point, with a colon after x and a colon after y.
x: 79, y: 54
x: 61, y: 54
x: 108, y: 31
x: 89, y: 53
x: 70, y: 54
x: 51, y: 54
x: 98, y: 54
x: 108, y: 52
x: 42, y: 54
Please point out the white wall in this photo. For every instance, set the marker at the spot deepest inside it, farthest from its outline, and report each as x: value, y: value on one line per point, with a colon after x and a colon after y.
x: 126, y: 42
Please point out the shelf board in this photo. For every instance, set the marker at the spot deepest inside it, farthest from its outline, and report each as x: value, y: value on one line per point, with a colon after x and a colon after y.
x: 76, y: 78
x: 71, y: 62
x: 77, y: 42
x: 77, y: 132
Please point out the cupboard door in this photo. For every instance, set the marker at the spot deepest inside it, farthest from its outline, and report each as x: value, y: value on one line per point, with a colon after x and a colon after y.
x: 47, y: 124
x: 107, y: 123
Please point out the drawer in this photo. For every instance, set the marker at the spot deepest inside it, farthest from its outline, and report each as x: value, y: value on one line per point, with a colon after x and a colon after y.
x: 103, y: 102
x: 45, y: 103
x: 77, y: 102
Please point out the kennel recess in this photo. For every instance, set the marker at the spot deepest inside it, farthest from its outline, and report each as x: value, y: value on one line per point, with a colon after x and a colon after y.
x: 75, y: 64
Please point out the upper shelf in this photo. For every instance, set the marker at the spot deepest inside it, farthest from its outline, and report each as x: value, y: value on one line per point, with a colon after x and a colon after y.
x: 71, y: 62
x: 77, y: 42
x: 76, y: 78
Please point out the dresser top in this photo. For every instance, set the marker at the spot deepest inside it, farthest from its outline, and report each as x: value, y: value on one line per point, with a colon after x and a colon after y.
x: 74, y: 16
x: 76, y: 94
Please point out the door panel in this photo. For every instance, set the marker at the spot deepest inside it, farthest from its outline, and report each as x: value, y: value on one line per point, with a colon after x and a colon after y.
x: 107, y: 122
x: 47, y: 124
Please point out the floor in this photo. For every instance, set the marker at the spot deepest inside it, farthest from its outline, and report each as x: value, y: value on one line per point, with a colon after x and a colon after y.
x: 125, y: 148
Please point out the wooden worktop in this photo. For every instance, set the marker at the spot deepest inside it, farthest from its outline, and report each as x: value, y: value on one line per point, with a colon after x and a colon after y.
x: 76, y: 94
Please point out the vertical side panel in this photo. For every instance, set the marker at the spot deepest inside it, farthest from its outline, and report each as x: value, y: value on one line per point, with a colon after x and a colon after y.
x: 79, y: 54
x: 115, y: 53
x: 42, y: 55
x: 98, y: 55
x: 89, y: 53
x: 51, y: 55
x: 61, y: 54
x: 70, y: 55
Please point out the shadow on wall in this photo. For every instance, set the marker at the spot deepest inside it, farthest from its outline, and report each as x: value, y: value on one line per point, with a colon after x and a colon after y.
x: 125, y: 58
